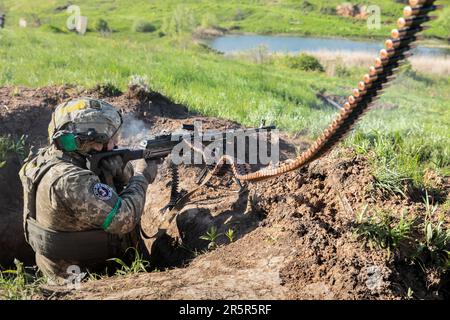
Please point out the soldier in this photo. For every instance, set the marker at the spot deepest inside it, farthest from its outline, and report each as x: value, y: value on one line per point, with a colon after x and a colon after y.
x: 72, y: 218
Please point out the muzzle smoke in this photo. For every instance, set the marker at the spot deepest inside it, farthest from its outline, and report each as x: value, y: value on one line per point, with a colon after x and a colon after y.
x: 133, y: 132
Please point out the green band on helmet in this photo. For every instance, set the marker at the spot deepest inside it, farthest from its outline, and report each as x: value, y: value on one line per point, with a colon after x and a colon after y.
x: 111, y: 214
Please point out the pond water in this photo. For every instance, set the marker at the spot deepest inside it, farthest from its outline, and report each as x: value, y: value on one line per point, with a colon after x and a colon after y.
x: 295, y: 44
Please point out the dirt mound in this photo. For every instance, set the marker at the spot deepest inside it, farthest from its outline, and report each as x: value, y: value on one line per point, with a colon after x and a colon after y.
x: 294, y: 239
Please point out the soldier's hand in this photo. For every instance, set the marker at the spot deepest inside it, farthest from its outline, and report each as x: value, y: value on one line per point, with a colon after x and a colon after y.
x: 147, y: 168
x: 119, y: 171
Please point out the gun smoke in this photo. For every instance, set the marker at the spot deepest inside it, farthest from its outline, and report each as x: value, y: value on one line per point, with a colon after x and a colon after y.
x: 133, y: 132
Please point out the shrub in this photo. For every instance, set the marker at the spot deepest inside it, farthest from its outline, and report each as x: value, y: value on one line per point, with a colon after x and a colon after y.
x: 181, y: 21
x: 102, y: 25
x: 140, y: 82
x: 306, y: 6
x: 342, y: 71
x: 143, y: 26
x: 209, y: 20
x: 303, y: 62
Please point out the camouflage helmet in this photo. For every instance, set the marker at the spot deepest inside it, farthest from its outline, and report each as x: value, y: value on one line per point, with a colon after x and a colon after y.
x: 86, y: 118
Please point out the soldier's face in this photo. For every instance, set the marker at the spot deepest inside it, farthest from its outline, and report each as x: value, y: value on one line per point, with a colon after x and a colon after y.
x: 113, y: 142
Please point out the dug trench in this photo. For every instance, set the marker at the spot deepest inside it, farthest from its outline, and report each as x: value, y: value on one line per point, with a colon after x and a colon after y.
x: 292, y: 237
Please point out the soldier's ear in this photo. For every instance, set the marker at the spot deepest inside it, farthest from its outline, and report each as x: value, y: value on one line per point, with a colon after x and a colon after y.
x: 65, y: 141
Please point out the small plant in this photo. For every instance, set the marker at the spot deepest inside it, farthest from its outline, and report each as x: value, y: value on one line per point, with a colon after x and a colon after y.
x: 436, y: 244
x: 18, y: 284
x: 342, y: 71
x: 239, y: 15
x: 410, y: 294
x: 303, y: 62
x: 211, y: 236
x: 230, y: 235
x: 306, y: 6
x: 360, y: 216
x: 9, y: 144
x: 143, y: 26
x: 389, y: 181
x: 209, y: 20
x: 260, y: 54
x: 102, y: 26
x: 140, y: 82
x: 15, y: 92
x: 383, y: 230
x: 181, y: 21
x: 137, y: 265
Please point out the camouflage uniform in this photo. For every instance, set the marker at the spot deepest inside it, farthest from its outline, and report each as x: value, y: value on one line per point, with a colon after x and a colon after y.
x: 69, y: 198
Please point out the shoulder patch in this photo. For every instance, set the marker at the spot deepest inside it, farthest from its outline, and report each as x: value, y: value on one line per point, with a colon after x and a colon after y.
x: 102, y: 191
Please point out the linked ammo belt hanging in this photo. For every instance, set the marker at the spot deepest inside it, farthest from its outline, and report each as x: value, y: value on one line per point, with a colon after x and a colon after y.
x: 368, y: 91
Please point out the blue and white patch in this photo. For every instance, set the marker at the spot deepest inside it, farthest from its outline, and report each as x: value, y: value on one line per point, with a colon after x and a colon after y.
x: 102, y: 191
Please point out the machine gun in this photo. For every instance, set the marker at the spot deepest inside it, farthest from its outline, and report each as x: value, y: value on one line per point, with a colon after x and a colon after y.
x: 159, y: 147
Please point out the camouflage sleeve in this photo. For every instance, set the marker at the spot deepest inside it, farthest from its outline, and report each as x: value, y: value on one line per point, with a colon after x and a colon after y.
x: 97, y: 205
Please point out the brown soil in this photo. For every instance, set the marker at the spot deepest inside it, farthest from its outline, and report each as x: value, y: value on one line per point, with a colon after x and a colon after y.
x: 294, y: 236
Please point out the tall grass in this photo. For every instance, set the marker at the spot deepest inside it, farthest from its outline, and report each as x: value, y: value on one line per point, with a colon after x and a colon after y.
x: 333, y: 61
x: 436, y: 66
x: 9, y: 144
x: 19, y: 284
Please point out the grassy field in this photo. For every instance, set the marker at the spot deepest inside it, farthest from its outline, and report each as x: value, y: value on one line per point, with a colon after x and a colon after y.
x: 313, y: 17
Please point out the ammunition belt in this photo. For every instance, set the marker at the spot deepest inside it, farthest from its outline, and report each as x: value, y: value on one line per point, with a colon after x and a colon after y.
x: 368, y: 91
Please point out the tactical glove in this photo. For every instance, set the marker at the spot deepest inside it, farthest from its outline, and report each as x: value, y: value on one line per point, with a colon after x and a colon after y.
x: 147, y: 168
x: 120, y: 172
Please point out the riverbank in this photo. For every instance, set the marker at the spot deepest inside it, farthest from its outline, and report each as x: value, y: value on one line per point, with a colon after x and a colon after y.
x: 336, y: 63
x: 430, y: 42
x: 235, y: 43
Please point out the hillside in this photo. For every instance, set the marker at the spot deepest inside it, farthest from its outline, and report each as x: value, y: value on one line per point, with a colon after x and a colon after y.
x: 313, y: 17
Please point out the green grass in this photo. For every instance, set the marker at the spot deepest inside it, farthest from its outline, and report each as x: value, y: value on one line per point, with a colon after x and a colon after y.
x: 436, y: 243
x: 9, y: 144
x: 19, y: 284
x: 425, y: 237
x: 411, y: 138
x: 260, y: 16
x: 384, y: 229
x: 205, y: 82
x: 137, y: 265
